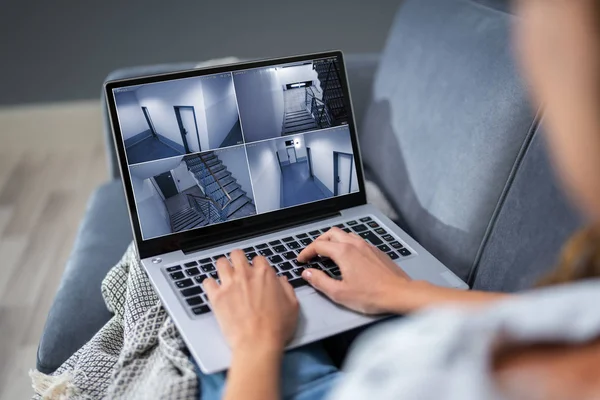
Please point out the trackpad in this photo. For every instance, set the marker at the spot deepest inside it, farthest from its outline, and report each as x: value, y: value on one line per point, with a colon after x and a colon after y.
x: 318, y: 312
x: 311, y: 317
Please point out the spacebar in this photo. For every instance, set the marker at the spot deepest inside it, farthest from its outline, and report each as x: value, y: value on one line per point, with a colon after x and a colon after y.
x: 296, y: 283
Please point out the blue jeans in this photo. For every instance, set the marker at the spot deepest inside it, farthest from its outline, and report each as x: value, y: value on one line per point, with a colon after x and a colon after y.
x: 307, y: 373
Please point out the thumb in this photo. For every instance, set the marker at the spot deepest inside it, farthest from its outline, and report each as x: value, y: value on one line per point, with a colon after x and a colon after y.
x: 321, y: 281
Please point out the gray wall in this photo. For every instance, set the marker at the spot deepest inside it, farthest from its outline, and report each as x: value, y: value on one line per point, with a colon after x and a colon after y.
x: 148, y: 170
x: 322, y: 145
x: 235, y: 160
x: 62, y: 50
x: 266, y: 175
x: 300, y: 147
x: 220, y: 107
x: 260, y: 101
x: 152, y: 212
x: 131, y: 116
x: 160, y: 98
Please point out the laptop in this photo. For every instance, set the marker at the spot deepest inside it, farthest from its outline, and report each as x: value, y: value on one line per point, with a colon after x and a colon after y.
x: 261, y: 156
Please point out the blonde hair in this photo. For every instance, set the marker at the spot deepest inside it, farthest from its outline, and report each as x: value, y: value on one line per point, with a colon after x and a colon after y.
x: 580, y: 259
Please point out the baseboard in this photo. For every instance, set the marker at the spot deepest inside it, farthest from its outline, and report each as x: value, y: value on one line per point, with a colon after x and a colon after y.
x: 132, y: 141
x: 171, y: 144
x: 326, y: 192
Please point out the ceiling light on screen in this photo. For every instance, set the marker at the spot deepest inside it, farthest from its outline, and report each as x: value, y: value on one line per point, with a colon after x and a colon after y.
x: 298, y: 85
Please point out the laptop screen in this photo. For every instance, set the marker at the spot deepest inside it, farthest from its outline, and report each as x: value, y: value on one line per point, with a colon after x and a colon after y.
x: 210, y: 149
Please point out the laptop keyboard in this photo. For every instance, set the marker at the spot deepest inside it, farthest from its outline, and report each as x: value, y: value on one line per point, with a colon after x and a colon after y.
x: 282, y: 256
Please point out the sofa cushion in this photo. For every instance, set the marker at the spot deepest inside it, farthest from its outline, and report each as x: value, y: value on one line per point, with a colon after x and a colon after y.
x: 530, y: 228
x: 448, y: 120
x: 79, y: 310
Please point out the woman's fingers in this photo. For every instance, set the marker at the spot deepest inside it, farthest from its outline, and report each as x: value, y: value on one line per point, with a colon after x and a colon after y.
x: 239, y: 261
x: 224, y: 270
x: 323, y: 248
x: 210, y: 286
x: 287, y: 288
x: 337, y: 235
x: 323, y: 283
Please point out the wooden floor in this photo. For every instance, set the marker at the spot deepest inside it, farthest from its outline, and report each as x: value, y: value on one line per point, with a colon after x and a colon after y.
x: 51, y: 159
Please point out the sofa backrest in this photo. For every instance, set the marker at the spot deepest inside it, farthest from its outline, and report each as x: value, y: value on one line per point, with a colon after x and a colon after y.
x: 447, y: 131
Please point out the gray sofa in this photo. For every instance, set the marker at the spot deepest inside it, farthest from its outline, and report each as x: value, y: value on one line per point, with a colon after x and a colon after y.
x: 447, y: 133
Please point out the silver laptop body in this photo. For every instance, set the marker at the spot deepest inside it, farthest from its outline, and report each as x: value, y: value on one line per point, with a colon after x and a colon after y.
x: 260, y: 156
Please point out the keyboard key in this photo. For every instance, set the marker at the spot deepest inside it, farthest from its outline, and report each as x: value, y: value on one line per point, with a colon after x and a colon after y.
x: 396, y: 245
x: 365, y: 219
x: 177, y: 275
x: 341, y: 226
x: 285, y: 266
x: 261, y: 246
x: 324, y: 230
x: 384, y: 247
x: 275, y: 242
x: 174, y: 268
x: 302, y: 236
x: 315, y: 266
x: 208, y: 267
x: 275, y: 259
x: 380, y: 231
x: 393, y: 255
x: 250, y: 256
x: 347, y: 230
x: 298, y: 271
x: 192, y: 271
x: 298, y: 263
x: 314, y: 233
x: 194, y: 301
x: 371, y: 238
x: 214, y: 275
x: 190, y: 264
x: 248, y: 250
x: 200, y: 278
x: 184, y: 283
x: 205, y: 261
x: 290, y: 255
x: 335, y: 272
x: 328, y: 263
x: 306, y: 242
x: 191, y: 291
x: 265, y: 252
x: 200, y: 310
x: 388, y: 238
x: 351, y: 223
x: 288, y: 239
x: 299, y: 282
x: 287, y: 275
x: 293, y: 245
x: 275, y: 268
x: 359, y: 228
x: 404, y: 252
x: 373, y: 224
x: 218, y: 256
x: 280, y: 249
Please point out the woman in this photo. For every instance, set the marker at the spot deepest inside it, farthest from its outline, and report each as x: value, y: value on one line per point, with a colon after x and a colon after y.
x: 539, y: 345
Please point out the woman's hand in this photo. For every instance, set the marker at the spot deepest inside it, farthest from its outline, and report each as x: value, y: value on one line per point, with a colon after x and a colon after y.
x: 371, y: 280
x: 252, y: 305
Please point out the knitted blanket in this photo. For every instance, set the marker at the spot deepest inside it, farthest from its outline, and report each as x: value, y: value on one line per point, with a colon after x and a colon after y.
x: 138, y: 354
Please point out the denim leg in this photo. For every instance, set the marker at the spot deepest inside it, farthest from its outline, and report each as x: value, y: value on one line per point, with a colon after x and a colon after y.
x: 307, y: 373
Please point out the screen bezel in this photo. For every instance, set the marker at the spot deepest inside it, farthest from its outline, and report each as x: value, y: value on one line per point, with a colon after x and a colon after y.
x: 208, y: 236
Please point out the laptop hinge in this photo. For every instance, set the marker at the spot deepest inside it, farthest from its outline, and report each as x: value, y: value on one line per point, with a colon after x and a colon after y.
x: 201, y: 244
